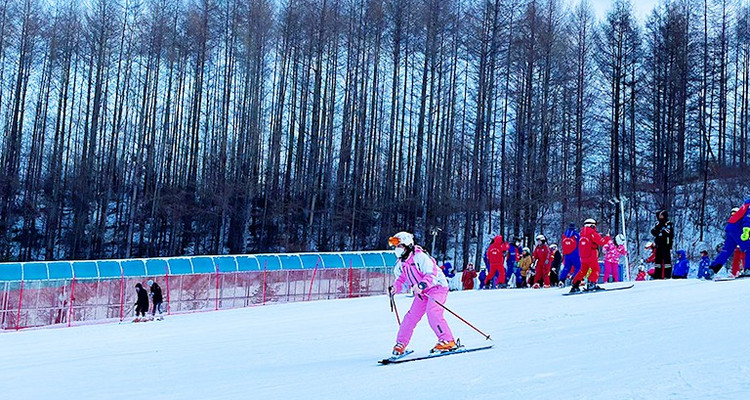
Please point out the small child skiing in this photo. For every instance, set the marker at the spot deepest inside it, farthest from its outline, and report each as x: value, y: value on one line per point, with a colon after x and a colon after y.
x: 705, y: 265
x: 524, y: 265
x: 682, y: 266
x: 482, y: 275
x: 156, y: 298
x: 614, y: 250
x: 415, y: 268
x: 641, y: 276
x: 141, y: 304
x: 468, y: 276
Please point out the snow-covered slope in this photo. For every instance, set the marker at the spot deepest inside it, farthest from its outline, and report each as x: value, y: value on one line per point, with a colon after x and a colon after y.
x: 659, y: 340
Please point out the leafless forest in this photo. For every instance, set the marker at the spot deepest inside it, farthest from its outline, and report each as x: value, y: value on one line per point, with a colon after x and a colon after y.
x: 134, y: 128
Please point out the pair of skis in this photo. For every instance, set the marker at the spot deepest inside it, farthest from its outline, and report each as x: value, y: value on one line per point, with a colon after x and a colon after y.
x: 600, y: 290
x: 405, y: 357
x: 731, y: 279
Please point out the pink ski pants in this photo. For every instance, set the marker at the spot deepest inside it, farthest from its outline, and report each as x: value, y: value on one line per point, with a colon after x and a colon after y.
x: 611, y: 268
x: 419, y: 306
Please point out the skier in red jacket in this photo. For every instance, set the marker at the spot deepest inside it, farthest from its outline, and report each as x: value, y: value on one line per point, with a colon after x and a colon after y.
x: 590, y: 243
x: 496, y: 257
x: 542, y: 257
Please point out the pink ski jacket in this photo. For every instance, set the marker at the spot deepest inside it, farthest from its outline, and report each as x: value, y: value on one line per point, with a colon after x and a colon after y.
x: 614, y: 252
x: 419, y: 267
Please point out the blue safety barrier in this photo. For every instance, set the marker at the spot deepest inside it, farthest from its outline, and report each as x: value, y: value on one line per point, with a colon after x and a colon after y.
x: 110, y: 269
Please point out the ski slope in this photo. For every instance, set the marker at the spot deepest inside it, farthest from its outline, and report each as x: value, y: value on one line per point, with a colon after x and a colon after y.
x: 660, y: 340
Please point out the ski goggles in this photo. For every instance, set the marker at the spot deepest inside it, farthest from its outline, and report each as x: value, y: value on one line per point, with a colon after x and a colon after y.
x: 394, y: 241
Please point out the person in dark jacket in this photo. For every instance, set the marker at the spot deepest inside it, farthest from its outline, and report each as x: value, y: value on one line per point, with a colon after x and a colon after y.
x: 556, y: 262
x: 663, y: 233
x: 156, y: 298
x: 141, y: 305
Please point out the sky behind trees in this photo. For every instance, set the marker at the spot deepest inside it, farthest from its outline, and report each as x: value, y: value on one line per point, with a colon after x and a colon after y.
x: 641, y: 8
x: 168, y: 127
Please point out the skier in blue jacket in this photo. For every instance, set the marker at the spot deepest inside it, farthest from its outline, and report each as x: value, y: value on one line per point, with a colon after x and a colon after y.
x: 682, y: 267
x: 705, y: 266
x: 571, y: 256
x: 448, y: 270
x: 737, y: 234
x: 514, y: 254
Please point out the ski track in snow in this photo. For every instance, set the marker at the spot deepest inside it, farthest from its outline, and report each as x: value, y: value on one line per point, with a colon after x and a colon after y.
x: 683, y: 339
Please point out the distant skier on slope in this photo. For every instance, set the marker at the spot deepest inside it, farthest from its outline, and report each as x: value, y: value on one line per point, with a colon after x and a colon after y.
x: 514, y: 255
x: 737, y: 234
x: 415, y: 268
x: 704, y: 268
x: 614, y: 249
x: 542, y: 262
x: 468, y: 276
x: 555, y: 261
x: 682, y: 266
x: 571, y: 255
x: 738, y: 262
x: 590, y: 243
x: 496, y: 255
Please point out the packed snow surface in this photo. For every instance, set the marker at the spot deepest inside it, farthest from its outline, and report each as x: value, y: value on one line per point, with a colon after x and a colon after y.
x: 660, y: 340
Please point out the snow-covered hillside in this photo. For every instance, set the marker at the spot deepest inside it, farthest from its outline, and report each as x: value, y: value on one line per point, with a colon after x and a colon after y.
x: 659, y: 340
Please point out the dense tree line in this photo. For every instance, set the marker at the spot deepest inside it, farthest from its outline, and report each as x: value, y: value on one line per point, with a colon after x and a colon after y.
x: 135, y: 128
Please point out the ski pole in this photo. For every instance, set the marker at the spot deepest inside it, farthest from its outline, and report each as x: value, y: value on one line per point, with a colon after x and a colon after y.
x: 393, y: 304
x: 486, y: 337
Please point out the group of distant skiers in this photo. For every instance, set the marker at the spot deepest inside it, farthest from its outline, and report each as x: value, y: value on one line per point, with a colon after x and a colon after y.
x: 579, y: 260
x: 417, y: 270
x: 142, y: 304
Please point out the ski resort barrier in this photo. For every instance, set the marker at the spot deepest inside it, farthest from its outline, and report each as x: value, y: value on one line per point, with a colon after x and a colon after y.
x: 69, y: 293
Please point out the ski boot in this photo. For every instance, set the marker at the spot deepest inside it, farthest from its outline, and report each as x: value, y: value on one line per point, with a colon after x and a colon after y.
x: 536, y: 286
x: 398, y: 349
x: 575, y: 288
x: 592, y: 287
x: 444, y: 346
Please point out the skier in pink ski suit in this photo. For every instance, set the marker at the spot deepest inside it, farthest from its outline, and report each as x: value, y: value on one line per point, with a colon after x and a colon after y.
x: 415, y: 268
x: 614, y: 250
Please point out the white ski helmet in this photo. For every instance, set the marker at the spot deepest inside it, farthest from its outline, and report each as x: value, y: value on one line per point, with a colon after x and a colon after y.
x: 620, y: 239
x: 589, y: 221
x: 734, y: 210
x: 541, y: 238
x: 401, y: 238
